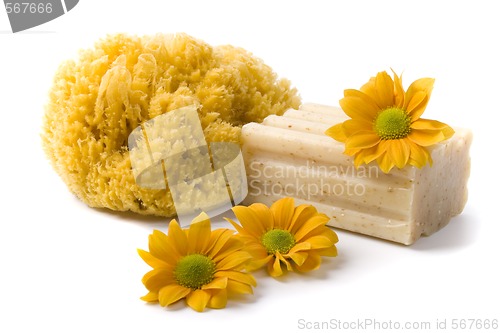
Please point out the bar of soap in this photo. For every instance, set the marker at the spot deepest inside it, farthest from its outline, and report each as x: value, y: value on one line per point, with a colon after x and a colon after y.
x: 290, y: 156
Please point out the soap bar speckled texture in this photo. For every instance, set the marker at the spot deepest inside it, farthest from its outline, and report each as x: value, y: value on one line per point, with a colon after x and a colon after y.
x: 290, y: 155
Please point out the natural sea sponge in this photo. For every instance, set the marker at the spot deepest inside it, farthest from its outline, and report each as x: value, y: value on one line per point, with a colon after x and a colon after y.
x: 97, y: 100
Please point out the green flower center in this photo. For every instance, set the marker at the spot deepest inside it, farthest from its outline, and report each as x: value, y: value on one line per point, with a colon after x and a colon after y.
x: 194, y: 271
x: 392, y: 123
x: 278, y: 240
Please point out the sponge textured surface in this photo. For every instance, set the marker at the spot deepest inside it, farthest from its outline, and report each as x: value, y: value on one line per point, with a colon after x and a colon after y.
x: 99, y: 98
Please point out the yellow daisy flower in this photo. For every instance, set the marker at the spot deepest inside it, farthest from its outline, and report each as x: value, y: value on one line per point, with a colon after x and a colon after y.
x: 198, y: 264
x: 284, y: 236
x: 385, y: 123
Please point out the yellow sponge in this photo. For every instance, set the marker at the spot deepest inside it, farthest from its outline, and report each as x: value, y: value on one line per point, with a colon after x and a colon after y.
x: 97, y: 100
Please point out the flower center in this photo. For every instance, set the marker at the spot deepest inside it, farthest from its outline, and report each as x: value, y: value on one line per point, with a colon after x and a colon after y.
x: 194, y: 271
x: 278, y: 240
x: 392, y: 123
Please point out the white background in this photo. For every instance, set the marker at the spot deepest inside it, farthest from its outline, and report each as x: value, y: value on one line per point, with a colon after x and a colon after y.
x: 65, y: 267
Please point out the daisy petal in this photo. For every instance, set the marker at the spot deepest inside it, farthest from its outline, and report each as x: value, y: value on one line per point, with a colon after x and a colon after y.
x: 424, y: 85
x: 234, y: 260
x: 419, y: 156
x: 259, y: 263
x: 358, y: 108
x: 312, y: 262
x: 328, y: 252
x: 282, y: 211
x: 385, y: 162
x: 317, y: 221
x: 152, y: 260
x: 218, y: 239
x: 236, y: 287
x: 319, y: 242
x: 218, y: 299
x: 198, y: 299
x: 399, y: 152
x: 373, y: 153
x: 352, y: 126
x: 298, y: 257
x: 199, y: 233
x: 426, y: 138
x: 274, y: 268
x: 177, y: 237
x: 172, y: 293
x: 251, y: 219
x: 217, y: 283
x: 399, y: 92
x: 158, y: 278
x: 301, y: 214
x: 232, y: 245
x: 385, y: 90
x: 150, y: 297
x: 416, y: 106
x: 336, y: 132
x: 237, y: 276
x: 161, y: 248
x: 362, y: 139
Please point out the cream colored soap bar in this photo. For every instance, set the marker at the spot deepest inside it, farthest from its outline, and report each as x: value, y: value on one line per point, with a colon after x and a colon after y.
x: 290, y: 155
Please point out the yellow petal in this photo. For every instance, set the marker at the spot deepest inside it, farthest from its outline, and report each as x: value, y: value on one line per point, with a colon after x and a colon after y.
x: 274, y: 268
x: 150, y: 297
x: 282, y: 211
x: 319, y: 242
x: 399, y: 93
x: 399, y: 152
x: 172, y: 293
x: 237, y: 276
x: 218, y: 239
x: 218, y: 299
x: 357, y: 108
x: 385, y: 162
x: 161, y: 248
x: 385, y: 90
x: 328, y: 252
x: 152, y: 260
x: 301, y: 214
x: 304, y: 246
x: 362, y: 139
x: 369, y: 88
x: 426, y: 138
x: 298, y: 257
x: 199, y: 233
x: 232, y: 245
x: 234, y: 260
x: 216, y: 283
x: 158, y: 278
x: 177, y: 237
x: 255, y: 264
x: 372, y: 153
x: 421, y: 85
x: 423, y: 124
x: 312, y: 262
x: 417, y: 104
x: 236, y: 287
x: 198, y: 299
x: 336, y: 132
x: 255, y: 219
x: 352, y: 126
x: 284, y: 261
x: 318, y: 221
x: 419, y: 156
